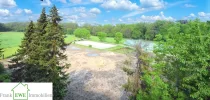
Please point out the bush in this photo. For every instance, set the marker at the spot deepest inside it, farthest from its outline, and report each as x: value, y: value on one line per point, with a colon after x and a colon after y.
x: 4, y: 77
x: 118, y: 37
x: 102, y: 36
x: 129, y: 71
x: 82, y: 33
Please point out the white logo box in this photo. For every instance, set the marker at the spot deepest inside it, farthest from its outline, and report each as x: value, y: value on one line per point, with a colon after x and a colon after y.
x: 26, y: 91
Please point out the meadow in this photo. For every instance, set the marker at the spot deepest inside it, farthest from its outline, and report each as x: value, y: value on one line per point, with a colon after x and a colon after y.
x: 10, y: 41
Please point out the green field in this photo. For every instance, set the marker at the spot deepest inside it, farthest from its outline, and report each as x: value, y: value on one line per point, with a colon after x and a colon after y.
x: 10, y: 41
x: 108, y: 40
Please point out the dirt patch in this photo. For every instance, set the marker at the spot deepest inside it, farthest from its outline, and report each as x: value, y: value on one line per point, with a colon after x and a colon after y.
x: 96, y: 77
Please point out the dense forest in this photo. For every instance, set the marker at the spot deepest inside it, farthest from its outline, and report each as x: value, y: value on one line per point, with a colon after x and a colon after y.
x: 146, y: 31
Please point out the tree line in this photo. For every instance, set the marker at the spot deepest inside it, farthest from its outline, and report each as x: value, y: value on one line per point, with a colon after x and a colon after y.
x: 146, y: 31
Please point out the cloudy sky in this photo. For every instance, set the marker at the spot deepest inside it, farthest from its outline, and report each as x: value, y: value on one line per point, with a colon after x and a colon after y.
x: 107, y: 11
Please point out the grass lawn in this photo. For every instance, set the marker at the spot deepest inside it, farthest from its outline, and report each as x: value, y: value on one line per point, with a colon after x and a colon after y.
x: 70, y: 38
x: 10, y: 41
x: 108, y: 40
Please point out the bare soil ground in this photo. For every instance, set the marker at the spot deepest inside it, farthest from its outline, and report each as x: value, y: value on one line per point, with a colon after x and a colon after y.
x: 95, y: 75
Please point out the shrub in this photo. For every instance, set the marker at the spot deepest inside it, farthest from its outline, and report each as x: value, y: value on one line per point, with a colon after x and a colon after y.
x: 129, y: 71
x: 82, y: 33
x: 102, y: 36
x: 118, y: 37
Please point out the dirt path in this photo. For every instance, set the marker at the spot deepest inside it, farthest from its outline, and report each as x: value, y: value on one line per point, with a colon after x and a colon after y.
x: 95, y: 75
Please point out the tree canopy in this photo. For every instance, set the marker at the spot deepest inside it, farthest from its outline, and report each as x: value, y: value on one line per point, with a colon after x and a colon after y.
x: 82, y: 33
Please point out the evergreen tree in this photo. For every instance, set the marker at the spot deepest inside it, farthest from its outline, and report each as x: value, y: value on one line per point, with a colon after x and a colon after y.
x: 23, y: 53
x: 42, y: 52
x: 53, y: 54
x: 24, y: 48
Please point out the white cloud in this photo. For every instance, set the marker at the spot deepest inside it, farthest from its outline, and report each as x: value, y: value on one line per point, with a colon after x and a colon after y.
x: 79, y: 9
x: 189, y: 5
x: 151, y: 5
x: 78, y: 14
x: 19, y: 11
x: 120, y: 20
x: 97, y: 1
x: 139, y: 11
x: 27, y: 11
x: 155, y: 4
x: 154, y: 18
x: 63, y: 1
x: 73, y: 17
x: 83, y: 15
x: 4, y: 12
x: 192, y: 15
x: 76, y: 1
x: 119, y: 5
x: 7, y: 3
x: 46, y: 3
x: 95, y: 11
x: 202, y: 14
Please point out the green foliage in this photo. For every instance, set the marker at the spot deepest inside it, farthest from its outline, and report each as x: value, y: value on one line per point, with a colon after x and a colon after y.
x: 17, y: 26
x: 28, y: 37
x: 69, y: 28
x: 118, y: 37
x: 128, y: 70
x: 4, y: 76
x: 90, y: 46
x: 82, y: 33
x: 146, y: 83
x: 40, y: 53
x: 183, y: 57
x: 1, y: 50
x: 102, y: 36
x: 4, y: 28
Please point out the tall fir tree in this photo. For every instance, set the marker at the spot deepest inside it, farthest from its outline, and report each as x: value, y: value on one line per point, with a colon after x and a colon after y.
x: 54, y: 46
x: 25, y: 45
x: 23, y: 53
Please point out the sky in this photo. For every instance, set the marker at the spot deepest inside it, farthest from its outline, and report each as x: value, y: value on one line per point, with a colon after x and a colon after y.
x: 106, y: 11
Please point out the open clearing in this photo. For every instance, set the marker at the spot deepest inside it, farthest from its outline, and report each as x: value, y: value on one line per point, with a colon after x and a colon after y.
x: 96, y: 44
x: 10, y: 41
x: 95, y: 75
